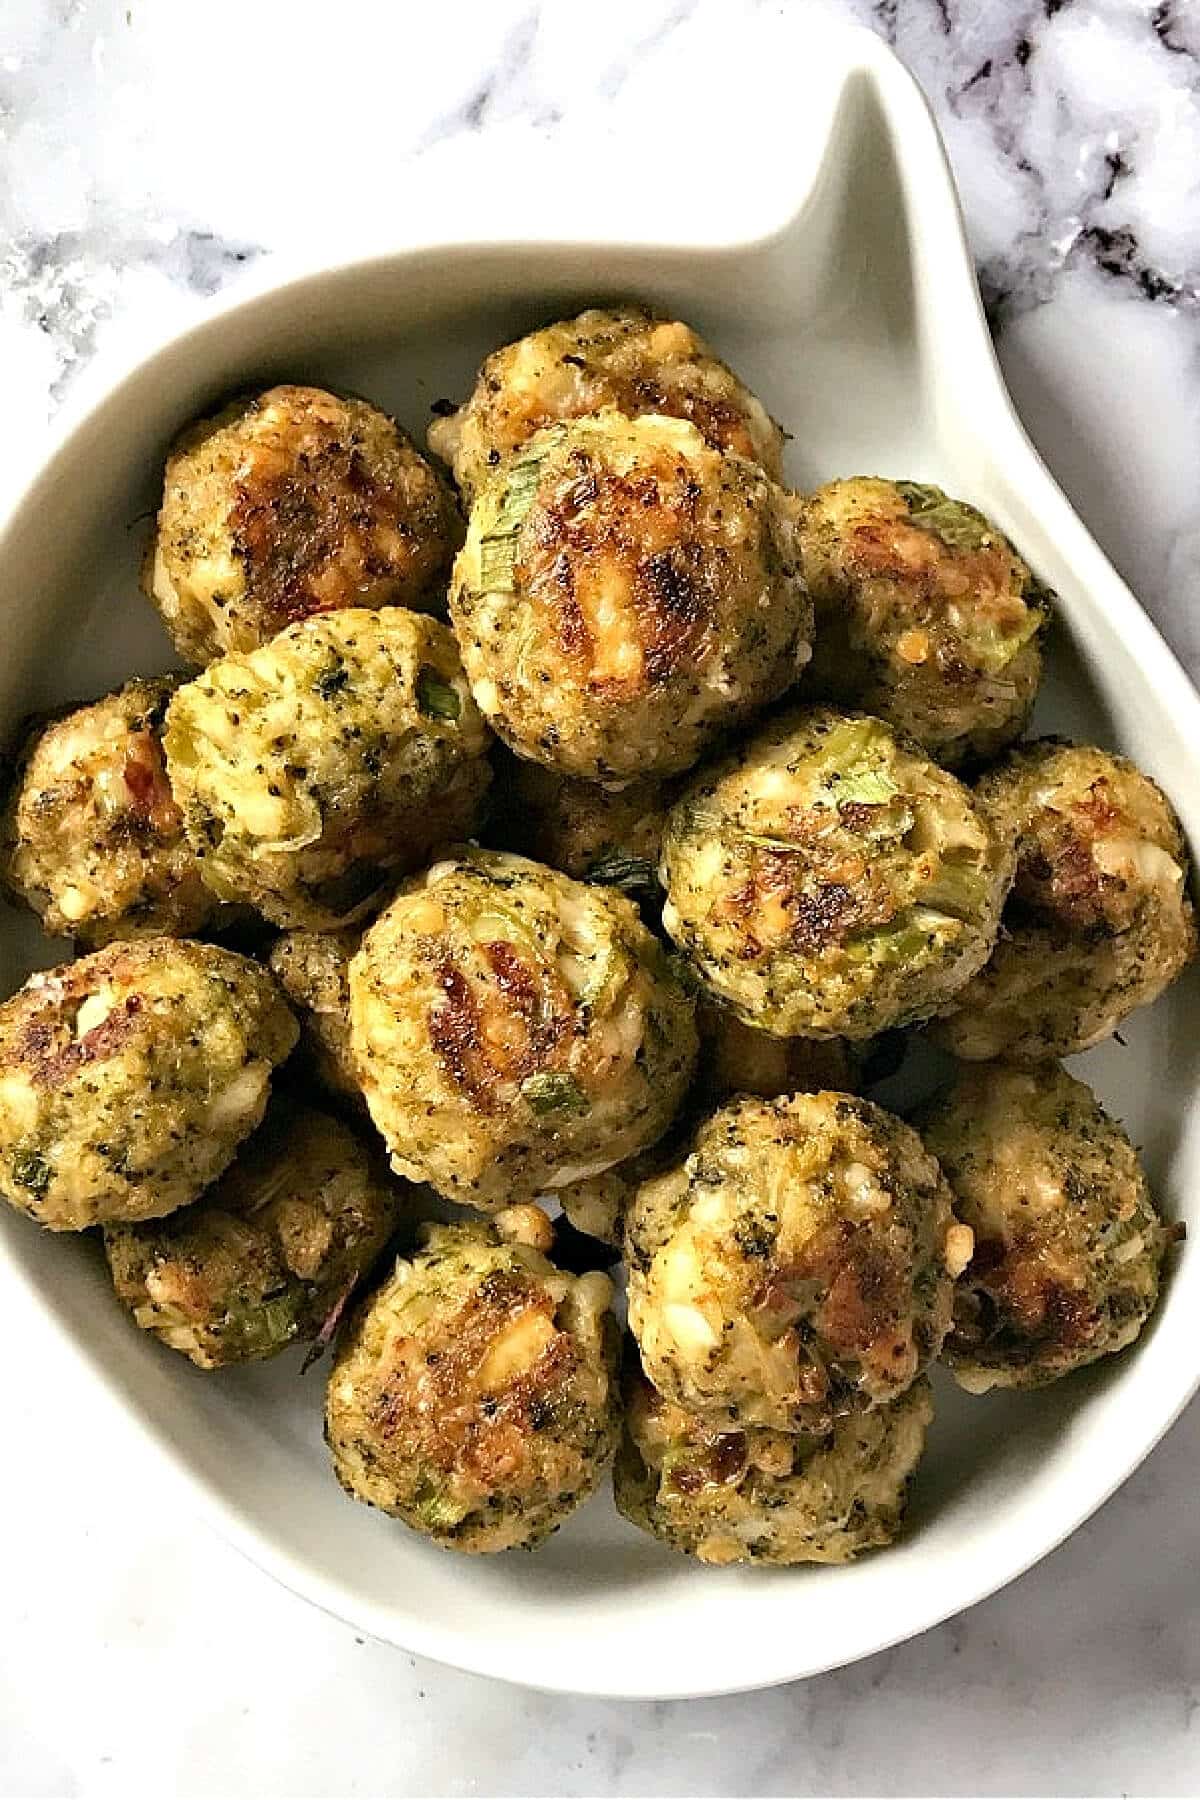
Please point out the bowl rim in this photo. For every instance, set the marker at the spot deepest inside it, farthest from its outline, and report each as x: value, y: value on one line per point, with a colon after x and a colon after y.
x: 853, y: 51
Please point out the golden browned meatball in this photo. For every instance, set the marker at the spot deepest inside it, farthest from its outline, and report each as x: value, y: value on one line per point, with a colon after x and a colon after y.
x: 315, y: 769
x: 128, y: 1079
x: 826, y: 880
x: 795, y: 1266
x: 624, y: 594
x: 313, y: 969
x: 584, y: 829
x: 91, y: 838
x: 290, y: 503
x: 1099, y: 921
x: 623, y: 358
x: 1068, y: 1245
x: 515, y: 1030
x: 476, y: 1395
x: 926, y: 615
x: 271, y: 1254
x: 763, y: 1496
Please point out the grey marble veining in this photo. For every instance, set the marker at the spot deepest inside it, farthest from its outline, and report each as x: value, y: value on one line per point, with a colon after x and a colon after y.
x: 148, y: 153
x: 1075, y: 131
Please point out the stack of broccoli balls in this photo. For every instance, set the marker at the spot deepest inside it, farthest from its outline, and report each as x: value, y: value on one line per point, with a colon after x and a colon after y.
x: 610, y: 817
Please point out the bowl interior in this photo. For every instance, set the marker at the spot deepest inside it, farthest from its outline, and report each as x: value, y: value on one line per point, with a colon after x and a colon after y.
x: 829, y: 320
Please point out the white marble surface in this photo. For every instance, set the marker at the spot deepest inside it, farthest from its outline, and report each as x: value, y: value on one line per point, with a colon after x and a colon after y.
x: 147, y: 154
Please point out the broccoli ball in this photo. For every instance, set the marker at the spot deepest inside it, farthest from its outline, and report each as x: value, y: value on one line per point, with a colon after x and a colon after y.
x: 90, y: 837
x: 313, y: 969
x: 515, y: 1030
x: 312, y: 769
x: 926, y: 615
x: 826, y: 880
x: 291, y: 503
x: 795, y: 1266
x: 475, y: 1396
x: 624, y: 594
x: 1099, y: 921
x: 270, y: 1254
x: 129, y: 1078
x: 624, y: 359
x: 765, y: 1496
x: 586, y: 830
x: 1068, y: 1244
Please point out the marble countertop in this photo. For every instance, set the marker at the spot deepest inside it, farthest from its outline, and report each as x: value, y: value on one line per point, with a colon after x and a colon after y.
x: 150, y: 152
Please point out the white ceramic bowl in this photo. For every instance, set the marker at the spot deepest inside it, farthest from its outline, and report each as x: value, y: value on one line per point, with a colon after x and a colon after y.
x: 853, y: 311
